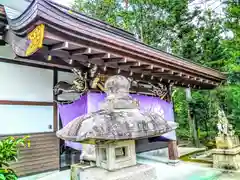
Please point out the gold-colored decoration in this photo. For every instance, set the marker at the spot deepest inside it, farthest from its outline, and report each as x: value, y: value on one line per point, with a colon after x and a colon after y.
x: 49, y: 58
x: 136, y: 102
x: 70, y: 11
x: 101, y: 87
x: 36, y: 40
x: 99, y: 82
x: 95, y: 82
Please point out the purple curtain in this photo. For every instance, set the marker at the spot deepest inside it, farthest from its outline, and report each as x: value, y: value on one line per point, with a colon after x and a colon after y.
x: 90, y: 103
x: 69, y: 112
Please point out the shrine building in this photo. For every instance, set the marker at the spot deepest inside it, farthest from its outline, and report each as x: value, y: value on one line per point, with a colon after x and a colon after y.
x: 39, y: 48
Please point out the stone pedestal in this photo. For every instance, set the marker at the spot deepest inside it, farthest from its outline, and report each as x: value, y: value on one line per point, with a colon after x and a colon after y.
x: 227, y: 154
x: 227, y: 142
x: 137, y: 172
x: 116, y: 155
x: 226, y: 158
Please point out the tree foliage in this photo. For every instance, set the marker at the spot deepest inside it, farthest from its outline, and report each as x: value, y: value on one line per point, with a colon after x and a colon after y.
x: 232, y: 24
x: 200, y: 36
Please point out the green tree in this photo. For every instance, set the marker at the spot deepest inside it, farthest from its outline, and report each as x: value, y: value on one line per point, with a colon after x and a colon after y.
x: 232, y: 24
x: 228, y: 96
x: 201, y: 42
x: 152, y: 21
x: 195, y: 35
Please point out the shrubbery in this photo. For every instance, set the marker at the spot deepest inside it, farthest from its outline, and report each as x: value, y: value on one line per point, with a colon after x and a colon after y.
x: 9, y: 149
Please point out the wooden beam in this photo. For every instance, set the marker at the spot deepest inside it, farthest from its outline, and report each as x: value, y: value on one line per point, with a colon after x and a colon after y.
x: 200, y: 79
x: 146, y: 72
x: 83, y: 51
x: 149, y: 67
x: 78, y: 51
x: 61, y: 57
x: 181, y: 74
x: 79, y: 58
x: 42, y: 63
x: 140, y: 52
x: 91, y: 51
x: 59, y: 53
x: 127, y: 65
x: 97, y: 61
x: 161, y: 74
x: 130, y: 63
x: 141, y: 59
x: 98, y: 55
x: 115, y: 60
x: 59, y: 46
x: 28, y: 103
x: 140, y: 68
x: 157, y: 70
x: 113, y: 71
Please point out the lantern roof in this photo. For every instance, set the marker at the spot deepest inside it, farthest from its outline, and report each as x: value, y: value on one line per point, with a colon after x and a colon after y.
x: 119, y: 118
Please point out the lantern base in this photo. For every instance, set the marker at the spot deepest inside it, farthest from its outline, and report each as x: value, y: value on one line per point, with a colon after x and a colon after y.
x: 137, y: 172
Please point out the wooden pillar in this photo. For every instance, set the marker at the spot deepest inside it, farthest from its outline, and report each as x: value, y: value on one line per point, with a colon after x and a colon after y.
x: 172, y: 144
x: 55, y: 115
x: 172, y: 150
x: 55, y: 109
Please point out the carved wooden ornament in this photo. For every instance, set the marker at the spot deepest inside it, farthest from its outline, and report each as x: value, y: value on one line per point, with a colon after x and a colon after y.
x: 35, y: 37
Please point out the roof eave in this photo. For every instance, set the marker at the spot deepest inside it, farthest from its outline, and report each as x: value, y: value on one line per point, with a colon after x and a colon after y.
x: 62, y: 27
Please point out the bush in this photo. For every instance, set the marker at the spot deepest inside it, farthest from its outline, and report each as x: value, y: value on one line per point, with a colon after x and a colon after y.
x: 7, y: 174
x: 9, y: 149
x: 183, y: 134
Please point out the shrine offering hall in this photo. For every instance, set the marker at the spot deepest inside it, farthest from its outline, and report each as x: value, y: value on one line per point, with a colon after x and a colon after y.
x: 54, y: 65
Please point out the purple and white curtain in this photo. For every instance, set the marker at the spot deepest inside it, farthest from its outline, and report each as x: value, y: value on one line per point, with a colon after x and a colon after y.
x: 90, y: 103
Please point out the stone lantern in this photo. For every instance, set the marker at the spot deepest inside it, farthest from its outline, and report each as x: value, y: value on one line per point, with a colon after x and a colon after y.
x: 113, y: 130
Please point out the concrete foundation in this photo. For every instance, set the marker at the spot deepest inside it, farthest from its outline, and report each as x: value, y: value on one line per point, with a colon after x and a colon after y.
x: 227, y: 154
x: 226, y: 158
x: 137, y: 172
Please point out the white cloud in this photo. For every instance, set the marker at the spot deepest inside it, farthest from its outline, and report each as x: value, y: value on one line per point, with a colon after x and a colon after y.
x: 216, y: 5
x: 64, y: 2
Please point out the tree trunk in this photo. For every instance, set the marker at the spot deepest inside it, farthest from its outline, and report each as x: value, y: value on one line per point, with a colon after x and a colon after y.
x: 191, y: 121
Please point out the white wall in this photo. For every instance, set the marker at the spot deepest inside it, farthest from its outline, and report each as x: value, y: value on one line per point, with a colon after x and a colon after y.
x: 25, y: 83
x: 19, y: 119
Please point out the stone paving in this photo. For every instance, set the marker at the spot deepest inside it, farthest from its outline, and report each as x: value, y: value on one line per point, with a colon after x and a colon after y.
x: 38, y: 176
x: 161, y: 155
x: 182, y: 171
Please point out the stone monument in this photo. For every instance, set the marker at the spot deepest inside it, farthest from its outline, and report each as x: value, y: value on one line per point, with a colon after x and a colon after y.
x: 113, y: 130
x: 227, y: 152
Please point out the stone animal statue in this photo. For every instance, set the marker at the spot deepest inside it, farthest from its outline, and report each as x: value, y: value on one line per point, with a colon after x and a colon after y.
x: 224, y: 128
x: 79, y: 84
x: 231, y: 131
